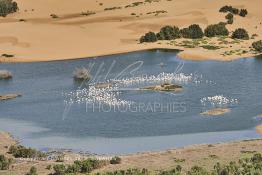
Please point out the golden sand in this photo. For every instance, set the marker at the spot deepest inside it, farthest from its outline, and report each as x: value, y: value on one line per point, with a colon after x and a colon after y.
x: 43, y: 38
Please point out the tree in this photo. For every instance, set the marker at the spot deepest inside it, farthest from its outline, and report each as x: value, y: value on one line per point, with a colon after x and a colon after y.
x: 168, y: 33
x: 240, y: 33
x: 148, y: 37
x: 257, y: 45
x: 193, y: 31
x: 216, y: 30
x: 243, y: 12
x: 7, y: 7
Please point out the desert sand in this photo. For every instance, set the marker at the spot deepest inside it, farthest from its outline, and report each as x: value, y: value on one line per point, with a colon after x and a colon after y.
x: 39, y: 37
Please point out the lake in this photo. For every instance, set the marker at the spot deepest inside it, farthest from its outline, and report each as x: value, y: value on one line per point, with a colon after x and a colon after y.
x: 57, y: 112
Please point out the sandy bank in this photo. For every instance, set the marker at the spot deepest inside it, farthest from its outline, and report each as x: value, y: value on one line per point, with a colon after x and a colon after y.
x: 215, y: 112
x: 202, y: 155
x: 259, y: 129
x: 72, y: 35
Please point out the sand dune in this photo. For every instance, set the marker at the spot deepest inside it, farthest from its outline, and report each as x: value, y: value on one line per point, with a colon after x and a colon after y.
x: 72, y: 35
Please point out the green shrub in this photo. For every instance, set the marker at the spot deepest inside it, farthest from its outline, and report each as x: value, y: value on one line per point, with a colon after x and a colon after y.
x: 7, y: 7
x: 86, y: 166
x: 115, y: 160
x: 257, y: 45
x: 216, y: 30
x: 168, y: 33
x: 240, y: 33
x: 112, y: 8
x: 176, y: 171
x: 257, y: 158
x: 227, y: 8
x: 23, y: 152
x: 59, y: 169
x: 49, y: 167
x: 193, y: 31
x: 33, y: 171
x: 75, y: 168
x: 230, y: 18
x: 196, y: 170
x: 4, y: 162
x: 230, y: 21
x: 148, y: 37
x: 243, y: 12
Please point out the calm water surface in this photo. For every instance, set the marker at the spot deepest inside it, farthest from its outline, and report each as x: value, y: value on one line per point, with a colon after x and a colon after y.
x: 37, y: 117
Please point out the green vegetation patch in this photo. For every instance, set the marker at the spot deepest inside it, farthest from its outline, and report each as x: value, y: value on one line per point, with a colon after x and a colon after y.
x: 257, y: 45
x: 23, y: 152
x: 112, y: 8
x: 210, y: 47
x: 240, y: 33
x: 4, y: 162
x: 7, y: 7
x: 216, y: 30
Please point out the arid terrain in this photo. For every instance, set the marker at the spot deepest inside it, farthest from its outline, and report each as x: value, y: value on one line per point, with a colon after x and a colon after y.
x: 201, y: 155
x: 83, y: 28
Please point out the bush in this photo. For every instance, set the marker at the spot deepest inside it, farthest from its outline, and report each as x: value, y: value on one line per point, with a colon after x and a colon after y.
x: 227, y: 8
x: 4, y: 162
x: 115, y: 160
x: 257, y: 45
x: 148, y: 37
x: 23, y: 152
x: 240, y: 33
x: 75, y: 168
x: 230, y: 18
x: 59, y: 169
x: 49, y: 167
x: 196, y: 170
x: 86, y: 166
x: 7, y: 7
x: 243, y: 12
x: 216, y: 30
x: 168, y: 33
x: 230, y: 21
x: 176, y: 171
x: 193, y: 31
x: 33, y: 171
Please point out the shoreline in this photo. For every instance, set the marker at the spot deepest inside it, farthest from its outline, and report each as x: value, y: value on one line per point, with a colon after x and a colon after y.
x: 205, y: 155
x: 18, y: 141
x: 181, y: 54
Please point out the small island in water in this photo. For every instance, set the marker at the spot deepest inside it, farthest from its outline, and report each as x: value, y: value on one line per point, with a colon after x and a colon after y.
x: 164, y: 87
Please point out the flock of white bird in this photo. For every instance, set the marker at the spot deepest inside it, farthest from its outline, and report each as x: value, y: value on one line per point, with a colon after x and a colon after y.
x: 218, y: 100
x: 160, y: 78
x: 107, y: 95
x: 110, y: 95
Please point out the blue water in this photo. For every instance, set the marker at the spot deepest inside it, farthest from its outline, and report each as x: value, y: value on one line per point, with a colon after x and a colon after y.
x: 37, y: 117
